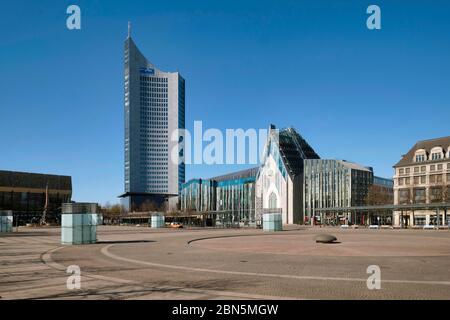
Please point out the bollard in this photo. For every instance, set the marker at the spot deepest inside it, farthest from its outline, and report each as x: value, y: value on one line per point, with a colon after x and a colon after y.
x: 99, y: 219
x: 272, y: 222
x: 6, y: 221
x: 157, y: 221
x: 79, y: 223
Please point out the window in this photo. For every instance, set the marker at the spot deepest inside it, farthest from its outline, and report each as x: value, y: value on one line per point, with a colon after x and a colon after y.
x: 416, y: 169
x: 420, y: 195
x: 401, y: 181
x: 419, y: 220
x: 407, y: 181
x: 436, y: 178
x: 401, y: 171
x: 407, y: 170
x: 433, y: 167
x: 272, y: 201
x: 423, y: 179
x: 423, y: 169
x: 433, y: 178
x: 440, y: 166
x: 416, y: 180
x: 404, y: 196
x: 420, y: 158
x: 435, y: 156
x: 436, y: 194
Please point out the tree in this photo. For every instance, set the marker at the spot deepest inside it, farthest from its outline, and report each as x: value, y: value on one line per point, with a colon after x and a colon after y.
x: 440, y: 194
x: 150, y: 205
x: 112, y: 210
x: 378, y: 196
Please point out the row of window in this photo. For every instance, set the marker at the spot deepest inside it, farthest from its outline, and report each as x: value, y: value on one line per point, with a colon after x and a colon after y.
x: 153, y: 174
x: 162, y: 136
x: 154, y: 110
x: 153, y: 95
x: 423, y: 169
x: 152, y: 105
x: 160, y: 166
x: 434, y: 178
x: 157, y: 166
x: 419, y: 195
x: 433, y: 157
x: 149, y: 147
x: 155, y: 126
x: 153, y: 79
x: 154, y: 87
x: 149, y: 101
x: 159, y: 119
x: 24, y: 201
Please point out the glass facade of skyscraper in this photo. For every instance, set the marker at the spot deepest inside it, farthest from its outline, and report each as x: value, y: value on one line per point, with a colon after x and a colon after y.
x: 154, y: 111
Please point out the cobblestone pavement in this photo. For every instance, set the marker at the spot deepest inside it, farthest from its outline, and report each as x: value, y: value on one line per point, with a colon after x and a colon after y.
x: 143, y: 263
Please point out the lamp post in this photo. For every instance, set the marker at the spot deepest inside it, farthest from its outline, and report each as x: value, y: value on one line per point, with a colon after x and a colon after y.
x: 438, y: 217
x: 401, y: 219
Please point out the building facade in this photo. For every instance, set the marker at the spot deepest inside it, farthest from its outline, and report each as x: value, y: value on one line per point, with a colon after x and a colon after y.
x: 235, y: 193
x: 231, y: 195
x: 279, y: 183
x: 198, y: 195
x: 154, y: 109
x: 422, y: 176
x: 334, y: 184
x: 294, y: 181
x: 384, y: 191
x: 24, y: 192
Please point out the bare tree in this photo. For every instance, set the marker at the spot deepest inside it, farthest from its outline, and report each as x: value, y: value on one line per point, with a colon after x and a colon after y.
x: 111, y: 211
x: 150, y: 205
x: 440, y: 193
x: 378, y: 196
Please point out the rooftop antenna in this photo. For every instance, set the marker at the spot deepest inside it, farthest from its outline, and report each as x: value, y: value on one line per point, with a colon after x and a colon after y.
x: 129, y: 29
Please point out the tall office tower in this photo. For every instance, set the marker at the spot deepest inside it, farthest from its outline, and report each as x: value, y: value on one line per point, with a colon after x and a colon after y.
x: 154, y: 110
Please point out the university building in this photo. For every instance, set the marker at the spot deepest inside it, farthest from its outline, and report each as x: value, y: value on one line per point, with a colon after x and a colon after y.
x: 422, y: 176
x: 279, y: 183
x: 340, y: 184
x: 230, y: 196
x: 154, y: 109
x: 291, y: 180
x: 275, y: 186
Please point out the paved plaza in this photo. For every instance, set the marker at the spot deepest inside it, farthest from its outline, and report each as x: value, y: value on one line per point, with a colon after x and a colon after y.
x: 141, y: 263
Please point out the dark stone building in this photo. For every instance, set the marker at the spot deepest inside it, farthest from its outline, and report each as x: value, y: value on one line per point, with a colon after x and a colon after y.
x: 26, y: 193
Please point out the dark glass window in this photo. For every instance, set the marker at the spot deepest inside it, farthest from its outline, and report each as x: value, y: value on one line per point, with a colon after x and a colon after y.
x: 420, y: 195
x: 404, y: 196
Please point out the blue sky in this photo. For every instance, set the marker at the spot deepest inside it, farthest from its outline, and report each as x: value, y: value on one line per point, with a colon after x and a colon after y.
x: 354, y: 94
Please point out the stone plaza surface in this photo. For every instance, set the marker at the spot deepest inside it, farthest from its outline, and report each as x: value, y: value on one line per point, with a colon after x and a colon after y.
x: 143, y: 263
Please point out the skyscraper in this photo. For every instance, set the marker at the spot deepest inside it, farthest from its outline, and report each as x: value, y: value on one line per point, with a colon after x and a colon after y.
x: 154, y: 110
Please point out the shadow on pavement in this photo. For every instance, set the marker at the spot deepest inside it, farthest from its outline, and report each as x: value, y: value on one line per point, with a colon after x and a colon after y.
x: 124, y: 241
